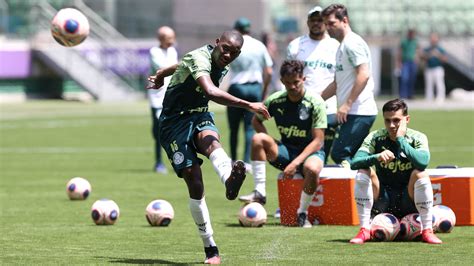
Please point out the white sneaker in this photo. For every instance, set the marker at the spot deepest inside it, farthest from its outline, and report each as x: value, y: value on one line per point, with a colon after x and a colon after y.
x: 277, y: 213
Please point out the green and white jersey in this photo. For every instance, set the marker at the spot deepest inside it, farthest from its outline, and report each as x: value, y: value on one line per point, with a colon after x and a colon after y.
x: 410, y: 152
x: 295, y: 121
x: 184, y: 96
x: 319, y: 57
x: 353, y: 52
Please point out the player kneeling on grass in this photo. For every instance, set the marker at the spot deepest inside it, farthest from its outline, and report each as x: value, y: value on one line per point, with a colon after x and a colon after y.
x: 301, y: 119
x: 400, y: 185
x: 187, y: 128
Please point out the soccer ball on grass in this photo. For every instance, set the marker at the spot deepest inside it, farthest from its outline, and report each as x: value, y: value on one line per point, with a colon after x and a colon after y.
x: 78, y: 188
x: 253, y: 215
x: 69, y: 27
x: 410, y: 227
x: 445, y: 219
x: 105, y: 212
x: 384, y: 227
x: 159, y: 213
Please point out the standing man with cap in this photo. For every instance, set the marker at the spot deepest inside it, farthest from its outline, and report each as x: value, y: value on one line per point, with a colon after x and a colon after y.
x: 318, y: 52
x: 251, y: 74
x: 162, y: 56
x: 353, y: 85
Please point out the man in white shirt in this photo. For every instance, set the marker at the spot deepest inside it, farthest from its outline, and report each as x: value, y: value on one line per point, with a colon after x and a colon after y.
x: 251, y: 74
x: 318, y: 52
x: 353, y: 85
x: 162, y: 56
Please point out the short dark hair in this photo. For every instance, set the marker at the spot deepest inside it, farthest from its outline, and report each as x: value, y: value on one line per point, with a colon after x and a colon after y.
x: 395, y: 105
x: 232, y: 35
x: 339, y: 10
x: 291, y: 67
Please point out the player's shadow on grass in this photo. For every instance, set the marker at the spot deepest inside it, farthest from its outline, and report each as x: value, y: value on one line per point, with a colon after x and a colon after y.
x: 148, y: 261
x: 345, y: 241
x: 266, y: 224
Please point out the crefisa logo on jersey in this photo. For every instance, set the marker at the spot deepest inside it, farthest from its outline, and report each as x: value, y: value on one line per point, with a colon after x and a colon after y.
x: 178, y: 158
x: 304, y: 114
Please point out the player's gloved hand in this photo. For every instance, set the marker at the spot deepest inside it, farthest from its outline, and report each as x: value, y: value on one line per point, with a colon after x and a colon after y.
x: 386, y: 156
x: 260, y: 109
x: 157, y: 80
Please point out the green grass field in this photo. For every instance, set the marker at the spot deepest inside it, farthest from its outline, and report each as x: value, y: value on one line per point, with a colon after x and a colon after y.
x: 44, y: 144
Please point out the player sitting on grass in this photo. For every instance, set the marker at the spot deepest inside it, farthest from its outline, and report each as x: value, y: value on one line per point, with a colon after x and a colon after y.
x: 301, y: 119
x: 400, y: 185
x: 187, y: 128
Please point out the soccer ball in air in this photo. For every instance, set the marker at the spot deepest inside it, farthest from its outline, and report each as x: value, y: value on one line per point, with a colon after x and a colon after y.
x: 159, y: 213
x: 384, y: 227
x: 78, y: 188
x: 69, y: 27
x: 105, y: 212
x: 252, y: 215
x: 410, y: 227
x: 445, y: 219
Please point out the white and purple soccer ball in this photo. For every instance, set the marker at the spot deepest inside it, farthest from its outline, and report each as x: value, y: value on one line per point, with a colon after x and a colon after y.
x: 105, y: 212
x: 159, y: 213
x: 445, y: 219
x: 252, y: 215
x: 70, y: 27
x: 384, y: 227
x: 78, y: 188
x: 410, y: 227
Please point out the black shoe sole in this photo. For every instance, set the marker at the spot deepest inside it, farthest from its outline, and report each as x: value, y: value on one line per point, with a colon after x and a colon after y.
x: 235, y: 181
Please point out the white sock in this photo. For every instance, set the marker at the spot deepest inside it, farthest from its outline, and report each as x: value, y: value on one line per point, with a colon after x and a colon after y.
x: 364, y: 197
x: 259, y: 176
x: 222, y: 163
x: 202, y: 220
x: 305, y: 200
x: 423, y: 195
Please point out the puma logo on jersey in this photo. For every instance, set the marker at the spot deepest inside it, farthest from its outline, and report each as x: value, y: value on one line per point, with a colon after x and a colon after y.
x: 281, y: 111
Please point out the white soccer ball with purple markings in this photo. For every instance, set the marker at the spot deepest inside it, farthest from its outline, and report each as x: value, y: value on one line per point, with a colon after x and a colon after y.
x: 253, y: 215
x: 410, y: 227
x: 159, y: 213
x: 105, y: 212
x: 384, y: 227
x: 78, y: 188
x: 445, y: 219
x: 69, y: 27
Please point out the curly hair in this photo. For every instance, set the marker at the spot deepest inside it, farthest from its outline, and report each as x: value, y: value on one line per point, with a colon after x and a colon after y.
x: 291, y: 67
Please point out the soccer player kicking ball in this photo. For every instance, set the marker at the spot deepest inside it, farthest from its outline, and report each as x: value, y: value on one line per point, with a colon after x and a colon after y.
x: 400, y: 185
x: 301, y: 119
x: 187, y: 128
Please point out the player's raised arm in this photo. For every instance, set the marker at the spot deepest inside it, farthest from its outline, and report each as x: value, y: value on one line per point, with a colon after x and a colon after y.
x: 160, y: 75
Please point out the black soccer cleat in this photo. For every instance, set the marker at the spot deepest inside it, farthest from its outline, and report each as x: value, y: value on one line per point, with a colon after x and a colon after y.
x: 235, y: 180
x: 212, y: 255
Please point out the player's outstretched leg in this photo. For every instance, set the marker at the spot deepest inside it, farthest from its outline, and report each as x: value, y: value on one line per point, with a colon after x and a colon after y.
x: 361, y: 237
x: 235, y: 180
x: 212, y: 255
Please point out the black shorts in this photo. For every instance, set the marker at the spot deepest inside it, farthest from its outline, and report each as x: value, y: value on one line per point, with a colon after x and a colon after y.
x: 395, y: 201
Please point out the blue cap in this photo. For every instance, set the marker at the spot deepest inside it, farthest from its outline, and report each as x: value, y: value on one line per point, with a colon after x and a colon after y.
x: 242, y: 24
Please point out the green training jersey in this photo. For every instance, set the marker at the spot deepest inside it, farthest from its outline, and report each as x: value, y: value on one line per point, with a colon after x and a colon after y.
x: 411, y: 152
x: 183, y: 95
x: 295, y: 120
